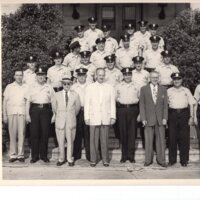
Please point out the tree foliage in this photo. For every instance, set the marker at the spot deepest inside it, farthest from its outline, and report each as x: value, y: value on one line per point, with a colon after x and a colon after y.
x: 182, y: 37
x: 32, y: 29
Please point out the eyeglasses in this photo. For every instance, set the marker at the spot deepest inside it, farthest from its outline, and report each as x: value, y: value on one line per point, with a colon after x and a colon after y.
x: 66, y: 84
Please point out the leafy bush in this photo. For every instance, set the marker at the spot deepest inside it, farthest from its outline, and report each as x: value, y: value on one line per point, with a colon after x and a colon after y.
x: 182, y: 37
x: 33, y: 29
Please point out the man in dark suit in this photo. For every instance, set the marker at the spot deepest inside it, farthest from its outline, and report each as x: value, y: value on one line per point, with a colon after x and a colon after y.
x: 154, y: 114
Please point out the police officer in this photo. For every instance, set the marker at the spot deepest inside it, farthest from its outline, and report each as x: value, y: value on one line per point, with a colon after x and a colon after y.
x: 140, y: 78
x: 197, y: 107
x: 125, y: 54
x: 56, y: 72
x: 111, y: 44
x: 92, y: 33
x: 86, y: 64
x: 29, y: 76
x: 153, y: 56
x: 72, y: 59
x: 81, y: 38
x: 82, y: 130
x: 181, y: 113
x: 39, y: 115
x: 97, y: 57
x: 142, y: 36
x: 166, y: 69
x: 127, y: 98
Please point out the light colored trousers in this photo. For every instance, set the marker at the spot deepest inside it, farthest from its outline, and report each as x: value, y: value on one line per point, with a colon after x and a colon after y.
x: 160, y: 143
x: 96, y: 133
x: 16, y: 128
x: 69, y: 134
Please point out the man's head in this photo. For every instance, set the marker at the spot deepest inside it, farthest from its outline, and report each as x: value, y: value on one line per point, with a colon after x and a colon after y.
x: 75, y: 47
x: 85, y: 57
x: 106, y: 30
x: 67, y: 83
x: 92, y: 23
x: 100, y: 75
x: 126, y: 41
x: 81, y: 75
x: 57, y: 57
x: 80, y: 31
x: 138, y: 62
x: 153, y: 29
x: 31, y: 62
x: 100, y: 42
x: 166, y: 57
x: 143, y: 26
x: 154, y: 41
x: 41, y: 75
x: 130, y: 29
x: 127, y: 74
x: 18, y: 76
x: 177, y: 79
x: 110, y: 61
x: 154, y: 77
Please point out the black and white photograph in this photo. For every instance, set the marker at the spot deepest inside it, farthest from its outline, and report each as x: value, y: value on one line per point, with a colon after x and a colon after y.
x: 100, y: 91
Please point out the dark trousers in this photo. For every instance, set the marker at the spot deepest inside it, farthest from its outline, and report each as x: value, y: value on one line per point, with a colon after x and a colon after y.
x: 127, y: 118
x: 179, y: 135
x: 82, y: 132
x: 39, y: 131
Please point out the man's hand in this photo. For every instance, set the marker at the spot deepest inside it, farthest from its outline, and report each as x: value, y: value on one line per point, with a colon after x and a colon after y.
x: 138, y: 118
x: 112, y: 121
x: 195, y: 121
x: 87, y: 122
x: 53, y: 119
x: 191, y: 121
x: 5, y: 119
x: 28, y: 119
x: 144, y: 123
x: 164, y: 122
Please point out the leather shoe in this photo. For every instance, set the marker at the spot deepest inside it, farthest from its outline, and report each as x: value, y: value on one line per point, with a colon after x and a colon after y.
x: 171, y: 164
x: 147, y: 164
x: 132, y: 160
x: 92, y: 164
x: 163, y: 165
x: 71, y: 164
x: 60, y: 163
x: 11, y: 160
x: 34, y: 160
x: 106, y: 164
x: 123, y: 160
x: 46, y: 160
x: 184, y: 164
x: 21, y: 159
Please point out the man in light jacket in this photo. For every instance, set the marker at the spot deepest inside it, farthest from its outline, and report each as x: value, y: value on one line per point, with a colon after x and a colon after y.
x: 100, y: 113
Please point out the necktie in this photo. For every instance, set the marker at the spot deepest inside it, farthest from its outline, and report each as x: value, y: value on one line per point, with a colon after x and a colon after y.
x: 154, y: 94
x: 66, y: 98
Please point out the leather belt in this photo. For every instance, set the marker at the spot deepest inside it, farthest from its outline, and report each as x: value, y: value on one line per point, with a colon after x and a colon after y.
x: 57, y: 89
x: 119, y: 105
x: 178, y: 110
x: 45, y: 105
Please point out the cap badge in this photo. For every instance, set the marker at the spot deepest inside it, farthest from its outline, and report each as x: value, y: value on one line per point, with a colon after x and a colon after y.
x: 81, y: 70
x: 138, y: 58
x: 57, y: 54
x: 40, y: 69
x: 31, y: 57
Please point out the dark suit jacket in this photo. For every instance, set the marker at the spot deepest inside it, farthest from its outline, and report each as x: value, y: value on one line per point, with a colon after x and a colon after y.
x: 151, y: 112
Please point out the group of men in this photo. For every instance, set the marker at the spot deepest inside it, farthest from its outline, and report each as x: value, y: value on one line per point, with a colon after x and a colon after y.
x: 97, y: 85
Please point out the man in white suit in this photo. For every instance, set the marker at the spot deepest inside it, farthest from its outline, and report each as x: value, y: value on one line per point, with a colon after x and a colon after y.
x: 66, y: 107
x: 100, y: 113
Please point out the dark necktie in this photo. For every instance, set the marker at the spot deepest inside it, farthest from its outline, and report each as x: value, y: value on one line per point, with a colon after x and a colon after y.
x: 66, y: 98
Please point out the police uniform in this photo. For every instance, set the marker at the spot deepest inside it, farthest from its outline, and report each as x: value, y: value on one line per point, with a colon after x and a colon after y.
x: 166, y: 70
x: 39, y: 97
x: 127, y: 98
x: 152, y: 57
x: 14, y: 110
x: 197, y: 97
x: 82, y: 130
x: 97, y: 57
x: 71, y: 60
x: 55, y: 73
x: 29, y: 76
x: 91, y: 69
x: 179, y: 114
x: 112, y: 76
x: 111, y: 44
x: 92, y: 35
x: 82, y: 40
x: 161, y: 42
x: 142, y: 38
x: 124, y: 55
